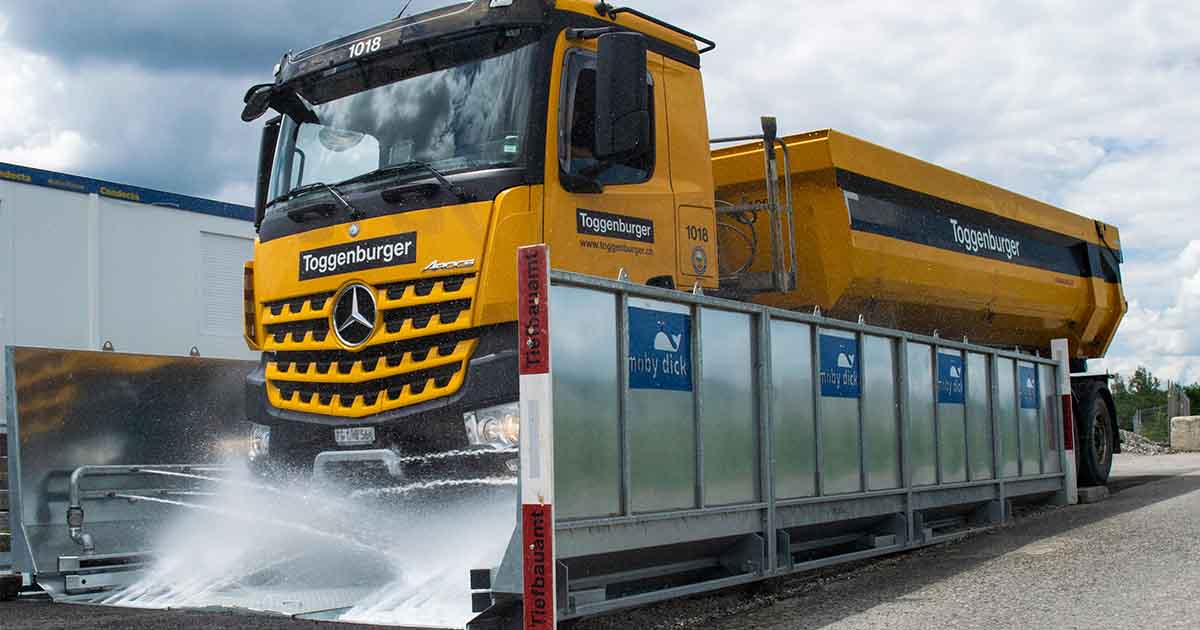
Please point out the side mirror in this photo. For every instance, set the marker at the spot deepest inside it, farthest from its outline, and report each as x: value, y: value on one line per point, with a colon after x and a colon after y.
x: 257, y: 100
x: 266, y: 159
x: 622, y: 108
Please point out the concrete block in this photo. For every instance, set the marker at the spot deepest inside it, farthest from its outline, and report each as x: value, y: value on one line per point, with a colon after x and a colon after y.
x: 1185, y: 433
x: 1093, y: 494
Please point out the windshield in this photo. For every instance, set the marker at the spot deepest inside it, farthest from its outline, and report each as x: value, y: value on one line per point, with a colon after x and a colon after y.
x: 466, y: 117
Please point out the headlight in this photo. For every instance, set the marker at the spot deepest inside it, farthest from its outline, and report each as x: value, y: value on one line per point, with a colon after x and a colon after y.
x: 498, y: 427
x: 259, y: 442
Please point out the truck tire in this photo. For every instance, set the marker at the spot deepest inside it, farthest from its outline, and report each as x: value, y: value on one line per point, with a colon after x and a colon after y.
x: 1096, y: 442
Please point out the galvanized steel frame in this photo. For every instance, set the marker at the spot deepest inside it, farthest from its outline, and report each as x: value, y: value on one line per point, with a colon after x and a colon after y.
x: 613, y: 533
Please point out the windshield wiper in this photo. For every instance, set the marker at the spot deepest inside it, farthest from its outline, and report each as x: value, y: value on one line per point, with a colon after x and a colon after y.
x: 299, y: 214
x: 412, y: 165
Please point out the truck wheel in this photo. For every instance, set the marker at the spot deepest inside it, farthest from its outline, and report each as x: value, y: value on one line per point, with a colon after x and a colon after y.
x: 1096, y: 440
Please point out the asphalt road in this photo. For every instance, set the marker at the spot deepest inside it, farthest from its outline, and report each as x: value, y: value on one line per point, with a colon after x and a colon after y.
x: 1129, y: 562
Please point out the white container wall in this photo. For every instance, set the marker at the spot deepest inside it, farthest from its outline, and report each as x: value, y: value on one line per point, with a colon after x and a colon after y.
x: 82, y: 263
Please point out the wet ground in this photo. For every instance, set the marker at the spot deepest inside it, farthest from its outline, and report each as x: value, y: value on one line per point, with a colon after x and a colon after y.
x: 1128, y: 562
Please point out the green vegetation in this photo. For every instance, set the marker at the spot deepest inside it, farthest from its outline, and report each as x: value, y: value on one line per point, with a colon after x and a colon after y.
x: 1146, y: 392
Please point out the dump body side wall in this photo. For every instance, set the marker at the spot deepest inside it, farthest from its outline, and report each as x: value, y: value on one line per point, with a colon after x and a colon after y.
x: 885, y: 235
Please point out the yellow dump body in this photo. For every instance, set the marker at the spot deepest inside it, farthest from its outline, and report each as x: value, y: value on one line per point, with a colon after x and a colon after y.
x: 911, y: 245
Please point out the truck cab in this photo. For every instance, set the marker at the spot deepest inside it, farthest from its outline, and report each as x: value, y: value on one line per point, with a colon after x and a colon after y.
x: 404, y: 167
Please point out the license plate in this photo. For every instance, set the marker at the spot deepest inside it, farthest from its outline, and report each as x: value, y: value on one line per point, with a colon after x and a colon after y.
x: 354, y: 436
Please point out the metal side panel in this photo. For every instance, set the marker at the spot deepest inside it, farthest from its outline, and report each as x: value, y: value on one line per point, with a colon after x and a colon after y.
x: 979, y: 417
x: 792, y: 408
x: 76, y: 408
x: 1029, y: 404
x: 841, y: 369
x: 951, y: 416
x: 662, y: 437
x: 728, y: 420
x: 1006, y: 411
x: 1051, y: 462
x: 586, y: 411
x: 881, y: 434
x: 922, y: 444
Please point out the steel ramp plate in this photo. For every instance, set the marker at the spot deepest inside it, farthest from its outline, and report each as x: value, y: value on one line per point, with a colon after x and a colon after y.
x: 147, y: 456
x: 314, y: 604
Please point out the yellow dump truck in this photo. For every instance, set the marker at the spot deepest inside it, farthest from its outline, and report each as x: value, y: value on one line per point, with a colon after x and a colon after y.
x: 407, y: 163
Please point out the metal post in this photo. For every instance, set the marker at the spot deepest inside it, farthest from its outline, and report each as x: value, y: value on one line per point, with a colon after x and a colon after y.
x: 539, y: 594
x: 779, y: 276
x: 623, y: 404
x: 789, y: 235
x: 1059, y: 350
x: 859, y: 341
x: 966, y: 381
x: 1041, y: 419
x: 937, y: 420
x: 697, y: 312
x: 816, y: 368
x: 765, y: 438
x: 1017, y: 405
x: 997, y: 439
x: 905, y: 435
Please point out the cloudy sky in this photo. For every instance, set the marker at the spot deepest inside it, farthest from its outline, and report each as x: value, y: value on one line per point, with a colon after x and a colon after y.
x: 1092, y: 105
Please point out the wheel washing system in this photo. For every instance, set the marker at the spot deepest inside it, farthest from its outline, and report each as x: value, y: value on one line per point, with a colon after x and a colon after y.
x: 671, y: 443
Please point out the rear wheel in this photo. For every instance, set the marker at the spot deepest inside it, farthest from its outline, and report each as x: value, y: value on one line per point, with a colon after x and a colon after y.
x: 1096, y: 439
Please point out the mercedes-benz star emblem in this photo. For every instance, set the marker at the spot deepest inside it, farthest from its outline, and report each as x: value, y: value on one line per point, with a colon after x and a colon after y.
x: 353, y: 316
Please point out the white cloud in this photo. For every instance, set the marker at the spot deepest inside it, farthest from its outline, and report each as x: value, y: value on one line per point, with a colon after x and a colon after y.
x: 1087, y: 105
x: 178, y: 130
x: 29, y: 136
x: 1165, y: 338
x: 239, y: 191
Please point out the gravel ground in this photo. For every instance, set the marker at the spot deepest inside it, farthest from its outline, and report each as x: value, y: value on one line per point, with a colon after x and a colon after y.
x: 1128, y: 562
x: 1135, y: 444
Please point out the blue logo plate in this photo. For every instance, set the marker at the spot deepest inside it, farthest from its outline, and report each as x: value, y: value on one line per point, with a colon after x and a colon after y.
x: 1028, y: 385
x: 839, y: 367
x: 660, y: 350
x: 951, y: 379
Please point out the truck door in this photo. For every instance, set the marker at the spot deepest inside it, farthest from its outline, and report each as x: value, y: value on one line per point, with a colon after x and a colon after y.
x: 630, y: 224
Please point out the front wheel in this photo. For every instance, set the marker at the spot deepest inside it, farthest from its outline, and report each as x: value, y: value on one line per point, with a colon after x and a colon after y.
x: 1096, y: 439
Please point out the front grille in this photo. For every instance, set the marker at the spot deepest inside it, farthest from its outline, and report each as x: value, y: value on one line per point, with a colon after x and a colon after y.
x: 418, y: 352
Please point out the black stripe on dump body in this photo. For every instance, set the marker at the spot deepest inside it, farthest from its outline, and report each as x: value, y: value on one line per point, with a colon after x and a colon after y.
x: 888, y: 210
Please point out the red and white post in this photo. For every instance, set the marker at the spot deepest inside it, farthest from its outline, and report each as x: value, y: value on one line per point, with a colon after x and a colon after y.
x: 537, y: 437
x: 1059, y: 351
